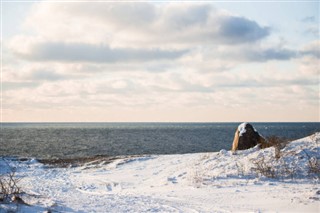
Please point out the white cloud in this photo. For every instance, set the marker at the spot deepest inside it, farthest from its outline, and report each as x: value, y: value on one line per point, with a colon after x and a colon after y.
x: 153, y: 57
x: 136, y: 24
x: 312, y: 49
x: 80, y: 52
x: 309, y: 62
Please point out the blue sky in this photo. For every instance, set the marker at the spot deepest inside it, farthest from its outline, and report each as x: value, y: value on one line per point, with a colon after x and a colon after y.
x: 163, y: 61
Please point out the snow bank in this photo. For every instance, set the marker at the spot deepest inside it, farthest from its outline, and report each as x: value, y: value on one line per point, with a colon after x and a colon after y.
x: 242, y: 128
x: 202, y: 182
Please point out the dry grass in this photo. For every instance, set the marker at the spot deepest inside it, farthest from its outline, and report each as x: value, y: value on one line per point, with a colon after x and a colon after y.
x: 261, y: 166
x: 313, y: 165
x: 10, y: 190
x: 278, y: 143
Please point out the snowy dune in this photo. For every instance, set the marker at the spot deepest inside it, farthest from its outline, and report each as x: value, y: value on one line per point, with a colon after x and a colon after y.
x: 202, y: 182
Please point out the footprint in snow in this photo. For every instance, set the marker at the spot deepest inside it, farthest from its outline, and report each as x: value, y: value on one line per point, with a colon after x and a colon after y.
x: 113, y: 187
x: 182, y: 174
x: 100, y: 188
x: 172, y: 179
x: 157, y: 172
x: 109, y: 187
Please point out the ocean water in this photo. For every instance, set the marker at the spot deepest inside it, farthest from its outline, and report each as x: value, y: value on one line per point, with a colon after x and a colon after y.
x: 72, y: 140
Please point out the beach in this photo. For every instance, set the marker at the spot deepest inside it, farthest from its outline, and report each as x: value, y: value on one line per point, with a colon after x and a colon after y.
x: 201, y: 182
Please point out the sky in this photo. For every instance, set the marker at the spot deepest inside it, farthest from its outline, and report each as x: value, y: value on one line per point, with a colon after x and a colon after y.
x: 210, y: 61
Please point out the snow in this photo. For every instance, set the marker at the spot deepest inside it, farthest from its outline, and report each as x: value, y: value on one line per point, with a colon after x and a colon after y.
x: 201, y: 182
x: 242, y: 128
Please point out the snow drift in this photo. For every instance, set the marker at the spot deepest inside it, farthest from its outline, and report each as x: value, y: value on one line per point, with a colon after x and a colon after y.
x: 252, y: 180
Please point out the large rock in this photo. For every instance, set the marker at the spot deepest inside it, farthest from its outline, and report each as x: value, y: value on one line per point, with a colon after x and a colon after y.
x: 246, y: 137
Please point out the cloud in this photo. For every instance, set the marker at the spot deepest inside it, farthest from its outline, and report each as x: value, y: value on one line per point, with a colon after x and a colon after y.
x: 127, y: 15
x: 310, y: 58
x: 141, y: 24
x: 249, y: 53
x: 313, y: 30
x: 309, y: 19
x: 309, y: 65
x: 312, y: 49
x: 175, y: 17
x: 79, y: 52
x: 240, y: 30
x: 140, y: 32
x: 18, y: 85
x: 32, y: 72
x: 270, y: 54
x: 142, y: 56
x: 169, y: 89
x: 46, y: 75
x: 311, y: 25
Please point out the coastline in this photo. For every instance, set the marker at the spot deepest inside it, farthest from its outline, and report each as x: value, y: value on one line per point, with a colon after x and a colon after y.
x: 79, y: 140
x: 198, y: 182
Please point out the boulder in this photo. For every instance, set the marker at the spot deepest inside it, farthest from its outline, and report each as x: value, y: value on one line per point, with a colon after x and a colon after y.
x: 246, y: 137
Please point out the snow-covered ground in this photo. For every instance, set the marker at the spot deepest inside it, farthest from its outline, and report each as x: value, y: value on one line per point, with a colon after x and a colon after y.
x: 202, y: 182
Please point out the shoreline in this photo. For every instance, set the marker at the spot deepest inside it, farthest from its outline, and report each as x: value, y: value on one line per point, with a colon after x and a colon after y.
x: 82, y: 140
x: 81, y: 161
x: 73, y: 162
x: 197, y: 182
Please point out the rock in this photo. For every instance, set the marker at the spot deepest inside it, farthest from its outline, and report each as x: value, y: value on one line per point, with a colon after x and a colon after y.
x: 246, y: 137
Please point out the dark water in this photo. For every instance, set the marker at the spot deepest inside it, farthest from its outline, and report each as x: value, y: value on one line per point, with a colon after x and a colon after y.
x: 70, y: 140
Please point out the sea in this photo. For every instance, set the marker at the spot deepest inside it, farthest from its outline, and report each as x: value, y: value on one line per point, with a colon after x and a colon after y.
x: 77, y: 140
